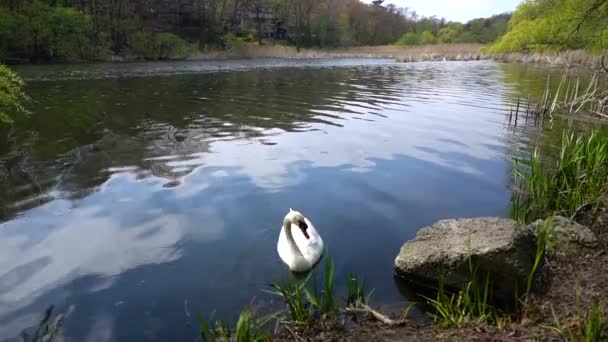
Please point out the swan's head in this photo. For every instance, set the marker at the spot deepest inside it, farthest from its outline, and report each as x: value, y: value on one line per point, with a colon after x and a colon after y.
x: 296, y: 218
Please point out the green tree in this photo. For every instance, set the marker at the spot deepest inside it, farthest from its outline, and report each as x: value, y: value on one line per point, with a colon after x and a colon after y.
x: 71, y: 34
x: 12, y: 95
x: 553, y: 25
x: 428, y: 38
x: 409, y: 38
x: 448, y: 35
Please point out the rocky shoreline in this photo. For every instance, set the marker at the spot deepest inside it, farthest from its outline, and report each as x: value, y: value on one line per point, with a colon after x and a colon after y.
x: 572, y: 279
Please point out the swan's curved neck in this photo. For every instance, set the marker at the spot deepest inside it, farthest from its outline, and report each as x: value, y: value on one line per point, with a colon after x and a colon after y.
x: 292, y: 243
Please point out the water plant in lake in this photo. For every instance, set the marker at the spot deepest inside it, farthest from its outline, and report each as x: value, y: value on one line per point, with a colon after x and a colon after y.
x: 576, y: 179
x: 248, y: 329
x: 571, y: 96
x: 303, y: 299
x: 468, y: 304
x: 355, y: 292
x: 291, y: 291
x: 324, y: 302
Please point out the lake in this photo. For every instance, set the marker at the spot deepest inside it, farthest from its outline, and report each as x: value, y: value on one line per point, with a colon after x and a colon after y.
x: 138, y: 195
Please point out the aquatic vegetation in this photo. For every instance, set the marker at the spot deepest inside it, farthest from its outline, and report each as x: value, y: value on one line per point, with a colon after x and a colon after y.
x: 304, y: 301
x: 355, y: 291
x: 213, y: 331
x: 570, y: 97
x: 468, y: 304
x: 325, y: 301
x: 576, y: 179
x: 542, y: 244
x: 291, y: 290
x: 248, y: 329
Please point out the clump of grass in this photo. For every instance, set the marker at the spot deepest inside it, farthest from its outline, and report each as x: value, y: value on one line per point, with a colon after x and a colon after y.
x: 291, y: 291
x: 542, y: 244
x: 303, y: 300
x: 588, y: 327
x: 595, y: 324
x: 323, y: 302
x: 355, y: 292
x: 469, y: 304
x: 248, y: 329
x: 576, y: 179
x: 217, y: 330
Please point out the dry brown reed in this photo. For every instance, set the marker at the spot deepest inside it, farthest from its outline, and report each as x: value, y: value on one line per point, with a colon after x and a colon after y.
x: 569, y: 59
x: 572, y: 97
x: 401, y: 53
x: 437, y: 52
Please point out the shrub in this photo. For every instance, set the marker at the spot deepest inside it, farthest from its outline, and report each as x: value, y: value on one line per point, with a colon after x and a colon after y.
x: 409, y: 38
x: 172, y: 46
x: 71, y: 33
x: 12, y: 96
x: 232, y: 42
x: 164, y: 45
x: 428, y: 38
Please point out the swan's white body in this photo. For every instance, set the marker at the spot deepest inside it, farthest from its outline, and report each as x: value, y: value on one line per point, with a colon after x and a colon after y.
x: 297, y: 251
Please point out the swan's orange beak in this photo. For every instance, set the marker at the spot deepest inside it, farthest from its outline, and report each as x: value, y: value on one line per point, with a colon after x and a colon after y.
x: 303, y: 226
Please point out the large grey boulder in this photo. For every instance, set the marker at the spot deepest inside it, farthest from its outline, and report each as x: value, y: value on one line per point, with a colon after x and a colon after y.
x: 501, y: 247
x: 566, y: 235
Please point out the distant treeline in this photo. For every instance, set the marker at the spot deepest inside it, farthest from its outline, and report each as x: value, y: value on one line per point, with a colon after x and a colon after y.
x: 433, y: 30
x: 557, y: 25
x: 65, y: 30
x: 43, y: 30
x: 155, y: 29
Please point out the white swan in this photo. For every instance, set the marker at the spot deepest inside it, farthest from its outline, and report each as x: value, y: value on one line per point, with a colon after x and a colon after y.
x: 302, y: 247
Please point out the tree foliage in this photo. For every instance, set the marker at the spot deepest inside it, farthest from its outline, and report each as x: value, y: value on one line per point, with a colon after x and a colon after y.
x: 554, y: 25
x: 63, y: 30
x: 481, y: 30
x: 90, y: 29
x: 12, y: 95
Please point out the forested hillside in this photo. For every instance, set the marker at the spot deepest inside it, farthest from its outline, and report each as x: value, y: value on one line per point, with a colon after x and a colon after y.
x: 88, y: 29
x: 72, y: 30
x: 433, y: 30
x: 65, y: 30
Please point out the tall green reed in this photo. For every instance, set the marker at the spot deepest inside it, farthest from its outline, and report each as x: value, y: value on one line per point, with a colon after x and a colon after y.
x: 292, y: 293
x: 355, y: 291
x: 471, y: 303
x: 542, y: 245
x: 303, y: 299
x: 323, y: 302
x: 577, y: 178
x: 247, y: 329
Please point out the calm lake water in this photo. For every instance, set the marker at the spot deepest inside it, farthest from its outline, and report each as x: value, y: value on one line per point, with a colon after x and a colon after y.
x: 140, y: 194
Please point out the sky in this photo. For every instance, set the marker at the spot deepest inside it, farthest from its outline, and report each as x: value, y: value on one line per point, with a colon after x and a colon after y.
x: 457, y: 10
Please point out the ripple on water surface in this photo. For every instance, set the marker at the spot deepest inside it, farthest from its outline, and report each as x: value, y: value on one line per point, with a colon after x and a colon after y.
x: 141, y: 193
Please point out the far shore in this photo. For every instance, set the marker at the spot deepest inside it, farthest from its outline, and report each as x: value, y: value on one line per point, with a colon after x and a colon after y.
x: 419, y: 53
